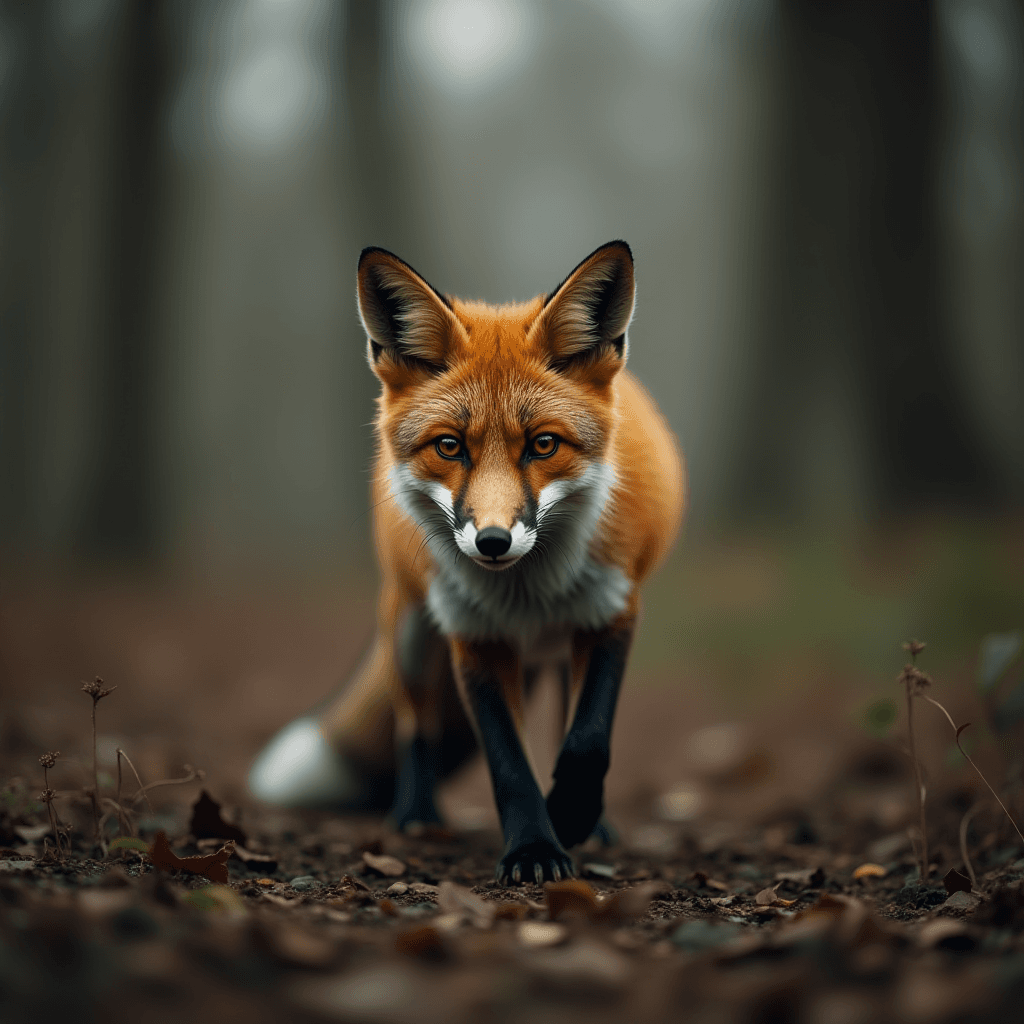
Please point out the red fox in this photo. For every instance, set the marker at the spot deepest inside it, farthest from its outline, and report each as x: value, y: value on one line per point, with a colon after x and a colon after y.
x: 525, y: 487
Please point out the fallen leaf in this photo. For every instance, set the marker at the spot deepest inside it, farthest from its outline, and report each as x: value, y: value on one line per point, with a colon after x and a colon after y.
x: 628, y: 904
x: 870, y: 871
x: 570, y: 898
x: 295, y: 946
x: 207, y: 823
x: 129, y: 843
x: 351, y: 882
x: 217, y: 897
x: 424, y: 943
x: 809, y: 878
x: 955, y: 881
x: 214, y: 867
x: 456, y: 899
x: 255, y: 861
x: 510, y: 911
x: 538, y: 934
x: 709, y: 883
x: 383, y: 864
x: 575, y: 898
x: 766, y: 897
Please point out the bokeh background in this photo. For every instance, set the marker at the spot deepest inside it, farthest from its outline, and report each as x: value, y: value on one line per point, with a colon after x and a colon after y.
x: 826, y: 205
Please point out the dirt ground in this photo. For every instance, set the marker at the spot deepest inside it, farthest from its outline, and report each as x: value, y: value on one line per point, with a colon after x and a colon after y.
x: 763, y: 869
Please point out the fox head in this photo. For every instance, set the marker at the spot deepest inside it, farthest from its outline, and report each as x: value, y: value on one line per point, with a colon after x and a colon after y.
x: 496, y: 421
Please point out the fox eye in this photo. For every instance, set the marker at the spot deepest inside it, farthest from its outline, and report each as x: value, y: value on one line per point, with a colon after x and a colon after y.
x: 543, y: 445
x: 449, y: 447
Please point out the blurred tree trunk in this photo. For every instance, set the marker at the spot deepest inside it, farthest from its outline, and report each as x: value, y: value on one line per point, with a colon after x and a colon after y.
x: 120, y: 521
x: 28, y: 105
x: 852, y: 289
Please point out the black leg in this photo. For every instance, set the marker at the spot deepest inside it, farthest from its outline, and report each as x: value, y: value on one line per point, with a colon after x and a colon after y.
x: 576, y: 800
x: 532, y: 850
x: 414, y: 791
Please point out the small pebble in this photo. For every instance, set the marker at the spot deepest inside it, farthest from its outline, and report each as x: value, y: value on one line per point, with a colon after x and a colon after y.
x: 304, y: 882
x: 397, y: 889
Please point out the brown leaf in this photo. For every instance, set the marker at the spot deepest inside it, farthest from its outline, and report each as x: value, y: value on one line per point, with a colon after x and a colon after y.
x: 383, y: 864
x: 628, y: 904
x: 510, y: 911
x: 766, y: 897
x: 709, y: 883
x: 955, y: 881
x: 456, y: 899
x: 424, y: 943
x: 207, y: 822
x: 351, y: 882
x: 809, y: 878
x: 571, y: 898
x: 870, y: 871
x: 575, y: 898
x: 214, y: 867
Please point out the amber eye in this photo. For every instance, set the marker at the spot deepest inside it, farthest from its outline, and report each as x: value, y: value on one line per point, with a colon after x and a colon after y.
x: 449, y: 447
x: 543, y: 445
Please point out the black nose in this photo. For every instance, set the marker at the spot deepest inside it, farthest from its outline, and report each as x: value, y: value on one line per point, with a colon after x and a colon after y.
x: 493, y: 541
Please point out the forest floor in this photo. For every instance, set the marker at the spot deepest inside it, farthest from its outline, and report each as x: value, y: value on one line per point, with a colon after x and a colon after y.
x: 764, y: 871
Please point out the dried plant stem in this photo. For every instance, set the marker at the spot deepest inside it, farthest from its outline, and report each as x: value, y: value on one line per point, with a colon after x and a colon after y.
x: 956, y: 737
x: 194, y: 775
x: 95, y: 777
x: 921, y: 791
x: 965, y: 822
x: 142, y: 788
x: 121, y: 819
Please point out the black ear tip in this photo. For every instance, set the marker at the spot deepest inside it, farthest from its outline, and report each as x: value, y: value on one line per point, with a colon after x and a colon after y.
x: 370, y: 251
x: 621, y: 245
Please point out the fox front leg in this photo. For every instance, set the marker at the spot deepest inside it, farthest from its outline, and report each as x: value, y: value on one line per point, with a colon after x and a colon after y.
x: 488, y: 678
x: 576, y: 800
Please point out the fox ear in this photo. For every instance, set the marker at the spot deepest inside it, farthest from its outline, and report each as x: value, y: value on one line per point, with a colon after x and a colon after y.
x: 585, y: 318
x: 408, y: 322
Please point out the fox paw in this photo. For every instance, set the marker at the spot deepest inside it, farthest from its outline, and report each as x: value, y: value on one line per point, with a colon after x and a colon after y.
x: 536, y: 860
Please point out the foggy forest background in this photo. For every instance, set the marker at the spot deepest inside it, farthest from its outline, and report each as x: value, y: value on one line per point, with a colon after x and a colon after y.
x: 825, y: 202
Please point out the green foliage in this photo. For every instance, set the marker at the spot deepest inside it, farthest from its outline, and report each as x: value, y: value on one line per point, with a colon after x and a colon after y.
x: 880, y: 717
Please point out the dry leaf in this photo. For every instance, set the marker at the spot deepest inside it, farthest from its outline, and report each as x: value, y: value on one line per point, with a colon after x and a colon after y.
x: 510, y: 911
x: 709, y: 883
x: 575, y: 898
x: 766, y: 897
x: 207, y: 822
x: 388, y: 907
x: 456, y: 899
x: 955, y: 881
x: 424, y: 943
x: 383, y: 864
x: 538, y: 934
x: 870, y: 871
x: 809, y: 878
x: 214, y: 867
x: 571, y: 898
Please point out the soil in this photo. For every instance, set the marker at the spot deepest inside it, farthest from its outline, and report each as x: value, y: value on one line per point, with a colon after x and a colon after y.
x: 763, y: 871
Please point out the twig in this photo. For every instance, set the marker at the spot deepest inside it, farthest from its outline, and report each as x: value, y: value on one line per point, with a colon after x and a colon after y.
x: 956, y: 736
x: 914, y: 680
x: 194, y: 775
x: 97, y: 691
x: 47, y: 795
x: 965, y: 822
x: 142, y: 788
